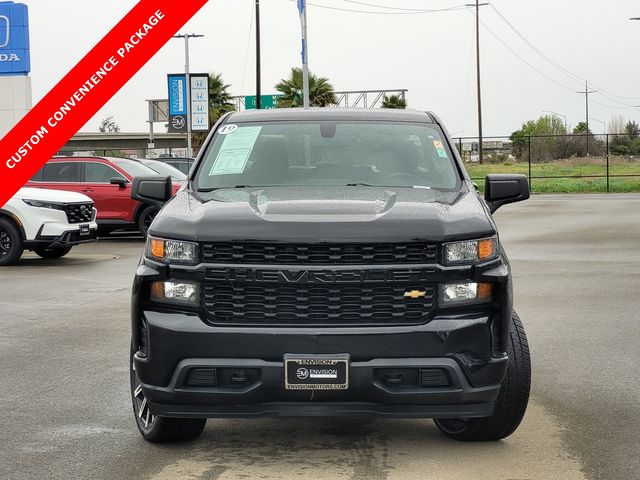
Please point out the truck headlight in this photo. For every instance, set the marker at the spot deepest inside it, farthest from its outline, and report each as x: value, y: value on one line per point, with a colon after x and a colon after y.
x: 471, y: 251
x: 454, y: 294
x: 178, y: 293
x: 171, y: 251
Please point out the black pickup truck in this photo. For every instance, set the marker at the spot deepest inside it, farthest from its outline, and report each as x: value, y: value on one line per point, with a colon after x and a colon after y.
x: 327, y: 262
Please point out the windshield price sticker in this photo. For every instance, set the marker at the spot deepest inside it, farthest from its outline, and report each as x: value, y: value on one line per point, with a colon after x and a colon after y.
x: 235, y: 150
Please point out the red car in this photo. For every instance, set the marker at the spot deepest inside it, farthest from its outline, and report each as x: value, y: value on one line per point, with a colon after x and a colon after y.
x: 107, y: 181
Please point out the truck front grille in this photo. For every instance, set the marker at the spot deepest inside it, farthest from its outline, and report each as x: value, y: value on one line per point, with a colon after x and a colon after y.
x: 312, y: 305
x: 319, y: 254
x: 79, y: 212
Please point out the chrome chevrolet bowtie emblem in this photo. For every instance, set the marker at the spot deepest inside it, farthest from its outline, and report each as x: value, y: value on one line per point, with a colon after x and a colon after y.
x: 414, y: 294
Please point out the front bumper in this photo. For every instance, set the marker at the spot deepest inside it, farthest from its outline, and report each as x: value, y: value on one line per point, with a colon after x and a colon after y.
x: 63, y: 235
x: 179, y: 343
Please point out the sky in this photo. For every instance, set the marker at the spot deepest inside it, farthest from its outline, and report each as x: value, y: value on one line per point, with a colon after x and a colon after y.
x: 430, y: 54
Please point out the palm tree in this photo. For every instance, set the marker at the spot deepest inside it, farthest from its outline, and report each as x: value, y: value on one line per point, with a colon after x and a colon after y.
x: 321, y: 93
x: 394, y: 101
x: 220, y: 101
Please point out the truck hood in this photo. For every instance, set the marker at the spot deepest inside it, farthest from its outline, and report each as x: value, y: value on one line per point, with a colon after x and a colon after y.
x: 324, y: 214
x: 46, y: 195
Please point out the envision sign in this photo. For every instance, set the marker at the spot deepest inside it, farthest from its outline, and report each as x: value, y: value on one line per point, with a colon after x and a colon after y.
x: 14, y: 39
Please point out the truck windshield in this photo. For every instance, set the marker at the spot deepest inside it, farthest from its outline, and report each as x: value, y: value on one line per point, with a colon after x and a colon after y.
x: 328, y: 153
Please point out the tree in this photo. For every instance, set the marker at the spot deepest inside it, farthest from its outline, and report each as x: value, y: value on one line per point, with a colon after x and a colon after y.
x: 632, y: 129
x: 321, y: 92
x: 220, y: 101
x: 582, y: 135
x: 616, y: 123
x: 546, y: 137
x: 581, y: 129
x: 108, y: 125
x: 394, y: 101
x: 627, y: 143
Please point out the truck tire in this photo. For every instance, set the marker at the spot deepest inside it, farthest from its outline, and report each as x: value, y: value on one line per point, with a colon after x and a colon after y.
x: 57, y: 252
x: 512, y: 400
x: 160, y: 429
x: 146, y: 218
x: 11, y: 245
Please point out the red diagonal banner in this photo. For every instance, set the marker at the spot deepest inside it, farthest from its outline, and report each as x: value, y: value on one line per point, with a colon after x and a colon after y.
x: 86, y: 88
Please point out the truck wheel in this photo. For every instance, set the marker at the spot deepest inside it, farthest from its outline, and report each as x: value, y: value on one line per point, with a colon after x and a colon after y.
x: 146, y: 218
x: 57, y: 252
x: 512, y: 400
x: 160, y: 429
x: 11, y: 246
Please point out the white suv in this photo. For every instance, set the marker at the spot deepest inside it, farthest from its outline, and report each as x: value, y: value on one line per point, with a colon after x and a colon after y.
x: 49, y: 222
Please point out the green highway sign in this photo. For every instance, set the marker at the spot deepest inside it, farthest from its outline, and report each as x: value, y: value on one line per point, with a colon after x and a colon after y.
x: 267, y: 101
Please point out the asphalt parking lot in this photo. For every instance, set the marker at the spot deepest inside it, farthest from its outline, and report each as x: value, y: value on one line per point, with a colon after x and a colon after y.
x: 66, y: 413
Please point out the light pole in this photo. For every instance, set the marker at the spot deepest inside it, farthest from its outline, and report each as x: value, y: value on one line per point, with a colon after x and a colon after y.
x: 604, y: 124
x: 559, y: 115
x: 477, y: 6
x: 186, y: 37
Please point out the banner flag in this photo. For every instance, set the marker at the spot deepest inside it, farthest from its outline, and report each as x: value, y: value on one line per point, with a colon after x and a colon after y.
x: 88, y: 87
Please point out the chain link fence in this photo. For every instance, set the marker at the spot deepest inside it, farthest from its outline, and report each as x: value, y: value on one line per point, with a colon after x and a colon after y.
x: 559, y: 163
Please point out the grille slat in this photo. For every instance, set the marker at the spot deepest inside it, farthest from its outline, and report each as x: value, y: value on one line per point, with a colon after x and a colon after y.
x: 301, y: 254
x: 311, y: 305
x: 79, y: 213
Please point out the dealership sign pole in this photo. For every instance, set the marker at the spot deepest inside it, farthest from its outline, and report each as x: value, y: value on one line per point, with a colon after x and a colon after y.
x: 302, y: 8
x: 88, y: 87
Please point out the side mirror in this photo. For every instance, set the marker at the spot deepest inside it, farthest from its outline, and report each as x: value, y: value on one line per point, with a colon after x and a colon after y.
x: 121, y: 182
x: 502, y: 189
x: 152, y: 190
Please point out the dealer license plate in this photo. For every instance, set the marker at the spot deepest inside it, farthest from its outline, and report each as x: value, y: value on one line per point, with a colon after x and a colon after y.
x: 84, y: 230
x: 316, y: 372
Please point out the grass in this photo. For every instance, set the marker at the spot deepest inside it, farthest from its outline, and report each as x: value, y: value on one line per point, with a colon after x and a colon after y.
x: 571, y: 170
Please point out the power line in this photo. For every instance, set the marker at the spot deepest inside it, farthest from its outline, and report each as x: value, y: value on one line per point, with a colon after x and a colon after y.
x: 560, y: 68
x: 246, y: 57
x: 412, y: 10
x: 561, y: 85
x: 572, y: 76
x: 525, y: 61
x: 368, y: 12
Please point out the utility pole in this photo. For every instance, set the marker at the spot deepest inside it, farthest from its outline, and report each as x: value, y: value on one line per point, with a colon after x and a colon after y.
x: 586, y: 94
x: 477, y: 6
x: 188, y: 80
x: 258, y: 63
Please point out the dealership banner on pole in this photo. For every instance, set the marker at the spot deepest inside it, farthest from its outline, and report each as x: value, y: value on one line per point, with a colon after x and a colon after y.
x: 88, y: 87
x: 177, y: 102
x: 199, y: 102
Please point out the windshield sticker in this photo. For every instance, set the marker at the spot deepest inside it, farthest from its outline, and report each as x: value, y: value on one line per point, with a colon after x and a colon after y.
x: 227, y: 129
x: 235, y: 151
x: 442, y: 153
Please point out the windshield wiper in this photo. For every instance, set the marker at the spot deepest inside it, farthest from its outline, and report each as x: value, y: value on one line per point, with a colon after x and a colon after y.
x: 213, y: 189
